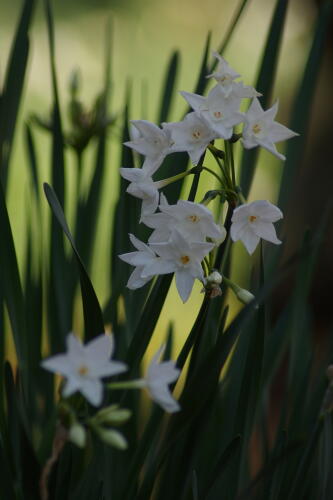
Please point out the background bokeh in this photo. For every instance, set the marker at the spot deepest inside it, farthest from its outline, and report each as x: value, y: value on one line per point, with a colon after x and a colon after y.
x: 144, y: 34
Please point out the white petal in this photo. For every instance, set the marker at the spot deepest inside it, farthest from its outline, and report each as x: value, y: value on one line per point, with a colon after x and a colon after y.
x: 197, y: 102
x: 57, y: 364
x: 108, y: 369
x: 269, y: 145
x: 132, y: 174
x: 237, y: 229
x: 250, y: 240
x: 266, y: 231
x: 100, y: 348
x: 184, y: 283
x: 136, y: 281
x: 160, y: 266
x: 149, y: 205
x: 72, y: 385
x: 162, y: 396
x: 92, y: 390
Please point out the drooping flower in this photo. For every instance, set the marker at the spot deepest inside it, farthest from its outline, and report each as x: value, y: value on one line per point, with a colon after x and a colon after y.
x: 159, y: 376
x: 225, y: 76
x: 85, y: 365
x: 253, y: 221
x: 260, y: 129
x: 143, y: 257
x: 193, y: 220
x: 152, y: 142
x: 192, y: 135
x: 181, y: 257
x: 143, y: 187
x: 221, y: 112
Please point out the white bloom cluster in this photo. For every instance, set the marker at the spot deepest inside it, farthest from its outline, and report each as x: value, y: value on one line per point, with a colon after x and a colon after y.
x: 85, y: 365
x: 177, y: 245
x: 185, y: 233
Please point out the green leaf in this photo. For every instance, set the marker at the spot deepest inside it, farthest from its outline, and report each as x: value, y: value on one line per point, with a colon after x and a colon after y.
x: 13, y: 86
x: 169, y: 86
x: 93, y: 318
x: 10, y: 283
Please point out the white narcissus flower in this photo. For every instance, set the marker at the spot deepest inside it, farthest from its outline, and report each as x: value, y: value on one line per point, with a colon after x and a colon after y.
x: 143, y: 257
x: 193, y: 220
x: 85, y: 365
x: 157, y: 380
x: 193, y: 135
x: 151, y: 141
x: 221, y: 112
x: 143, y: 187
x: 181, y: 257
x: 253, y: 221
x: 225, y: 76
x: 260, y: 129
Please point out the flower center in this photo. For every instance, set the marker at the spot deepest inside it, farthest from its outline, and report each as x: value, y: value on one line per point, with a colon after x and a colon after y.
x: 217, y: 114
x: 83, y: 370
x: 256, y: 128
x: 193, y: 218
x: 185, y: 259
x: 196, y: 134
x: 252, y: 218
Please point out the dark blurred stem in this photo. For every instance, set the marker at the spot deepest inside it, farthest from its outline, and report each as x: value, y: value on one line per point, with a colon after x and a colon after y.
x: 195, y: 182
x: 227, y: 225
x: 79, y: 165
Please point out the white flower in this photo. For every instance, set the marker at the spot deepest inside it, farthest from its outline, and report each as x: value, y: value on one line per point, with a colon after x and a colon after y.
x: 159, y: 376
x: 192, y: 135
x: 260, y: 129
x: 181, y: 257
x: 144, y: 257
x: 225, y: 76
x: 85, y: 365
x: 143, y: 187
x: 151, y: 141
x: 220, y: 112
x: 193, y: 220
x: 253, y: 221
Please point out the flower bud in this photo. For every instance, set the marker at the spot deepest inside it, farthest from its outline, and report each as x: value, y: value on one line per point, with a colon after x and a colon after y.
x: 112, y: 438
x: 113, y: 415
x: 214, y: 278
x: 77, y: 435
x: 244, y: 296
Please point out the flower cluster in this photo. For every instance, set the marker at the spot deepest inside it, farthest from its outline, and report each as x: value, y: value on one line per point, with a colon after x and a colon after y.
x: 84, y: 367
x: 185, y: 234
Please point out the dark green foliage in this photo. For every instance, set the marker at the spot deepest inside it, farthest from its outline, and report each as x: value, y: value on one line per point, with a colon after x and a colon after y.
x: 233, y: 438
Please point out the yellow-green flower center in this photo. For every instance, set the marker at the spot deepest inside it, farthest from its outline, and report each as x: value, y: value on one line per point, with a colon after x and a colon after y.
x: 83, y: 370
x: 256, y: 128
x: 193, y: 218
x: 252, y: 218
x: 185, y: 259
x: 196, y: 134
